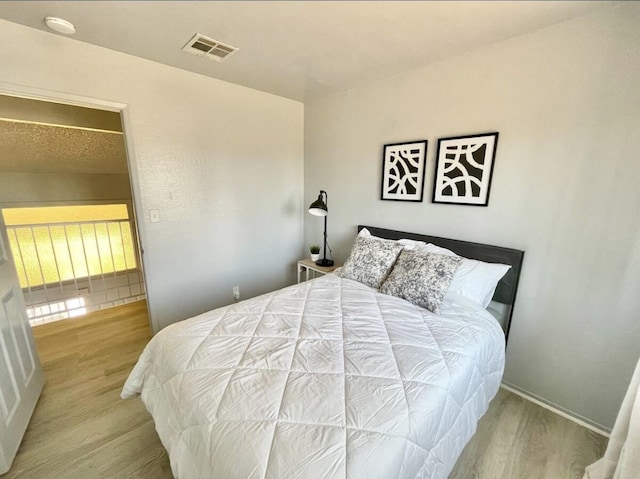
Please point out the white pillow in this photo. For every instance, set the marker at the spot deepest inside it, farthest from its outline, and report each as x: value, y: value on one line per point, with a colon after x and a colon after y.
x: 474, y: 279
x: 411, y: 244
x: 405, y: 242
x: 365, y: 233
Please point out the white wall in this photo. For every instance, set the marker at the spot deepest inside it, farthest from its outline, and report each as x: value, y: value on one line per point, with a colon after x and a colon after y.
x: 223, y: 164
x: 565, y: 189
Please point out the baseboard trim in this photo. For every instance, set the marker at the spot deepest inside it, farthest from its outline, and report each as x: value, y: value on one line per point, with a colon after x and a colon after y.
x: 584, y: 422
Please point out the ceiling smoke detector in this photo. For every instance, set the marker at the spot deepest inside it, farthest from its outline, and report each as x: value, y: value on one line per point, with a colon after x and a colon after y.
x: 210, y: 48
x: 60, y: 25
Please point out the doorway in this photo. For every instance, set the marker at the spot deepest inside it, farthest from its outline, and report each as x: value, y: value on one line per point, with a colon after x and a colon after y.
x: 71, y: 247
x: 66, y: 198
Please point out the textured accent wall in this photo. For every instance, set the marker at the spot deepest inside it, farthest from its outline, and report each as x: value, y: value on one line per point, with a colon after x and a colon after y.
x: 34, y: 148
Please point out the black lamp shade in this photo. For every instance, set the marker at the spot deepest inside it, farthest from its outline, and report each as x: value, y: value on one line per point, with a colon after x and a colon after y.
x: 318, y: 207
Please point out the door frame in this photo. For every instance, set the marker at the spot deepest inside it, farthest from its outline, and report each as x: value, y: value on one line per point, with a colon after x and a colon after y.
x: 125, y: 116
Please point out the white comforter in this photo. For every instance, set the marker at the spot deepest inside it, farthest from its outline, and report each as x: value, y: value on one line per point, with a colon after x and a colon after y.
x: 325, y: 379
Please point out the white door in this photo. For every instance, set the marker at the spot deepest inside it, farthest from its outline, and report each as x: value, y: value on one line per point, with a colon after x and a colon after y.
x: 21, y: 377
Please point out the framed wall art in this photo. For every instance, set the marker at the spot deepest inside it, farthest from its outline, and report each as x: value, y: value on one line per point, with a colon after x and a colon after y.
x: 464, y: 166
x: 403, y: 168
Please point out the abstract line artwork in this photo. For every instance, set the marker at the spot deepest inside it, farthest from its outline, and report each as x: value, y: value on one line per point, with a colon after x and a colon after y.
x: 403, y: 167
x: 464, y: 168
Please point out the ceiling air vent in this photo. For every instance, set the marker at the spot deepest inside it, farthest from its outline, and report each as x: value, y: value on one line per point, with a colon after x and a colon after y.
x: 210, y: 48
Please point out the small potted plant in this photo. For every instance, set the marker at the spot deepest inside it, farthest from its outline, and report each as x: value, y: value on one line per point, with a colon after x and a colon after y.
x: 314, y: 249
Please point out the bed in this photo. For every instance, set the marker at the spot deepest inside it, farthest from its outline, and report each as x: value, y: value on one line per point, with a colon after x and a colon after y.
x: 330, y: 378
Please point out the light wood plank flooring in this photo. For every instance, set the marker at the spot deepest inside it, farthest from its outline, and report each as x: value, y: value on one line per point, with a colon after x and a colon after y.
x: 517, y: 439
x: 82, y: 429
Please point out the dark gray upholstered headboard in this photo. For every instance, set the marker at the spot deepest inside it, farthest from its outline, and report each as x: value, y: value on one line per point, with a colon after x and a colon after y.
x: 507, y: 287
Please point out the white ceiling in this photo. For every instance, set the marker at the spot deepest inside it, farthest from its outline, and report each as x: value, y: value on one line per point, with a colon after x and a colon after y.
x: 300, y: 49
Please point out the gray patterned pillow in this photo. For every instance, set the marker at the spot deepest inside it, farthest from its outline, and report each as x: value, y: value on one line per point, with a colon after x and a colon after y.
x: 421, y: 278
x: 370, y: 260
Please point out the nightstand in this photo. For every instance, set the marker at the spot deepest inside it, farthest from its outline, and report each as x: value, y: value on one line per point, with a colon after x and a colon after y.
x: 306, y: 265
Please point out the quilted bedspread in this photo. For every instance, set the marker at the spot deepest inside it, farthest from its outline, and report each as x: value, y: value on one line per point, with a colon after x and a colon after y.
x: 325, y: 379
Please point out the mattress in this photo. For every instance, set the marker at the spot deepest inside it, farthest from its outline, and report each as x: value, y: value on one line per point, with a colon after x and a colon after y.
x: 325, y: 379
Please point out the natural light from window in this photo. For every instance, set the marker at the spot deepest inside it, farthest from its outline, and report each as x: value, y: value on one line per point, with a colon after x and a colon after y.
x: 57, y: 244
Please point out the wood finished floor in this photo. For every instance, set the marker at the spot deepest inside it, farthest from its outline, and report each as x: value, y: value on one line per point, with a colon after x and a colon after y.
x: 82, y: 429
x: 517, y: 439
